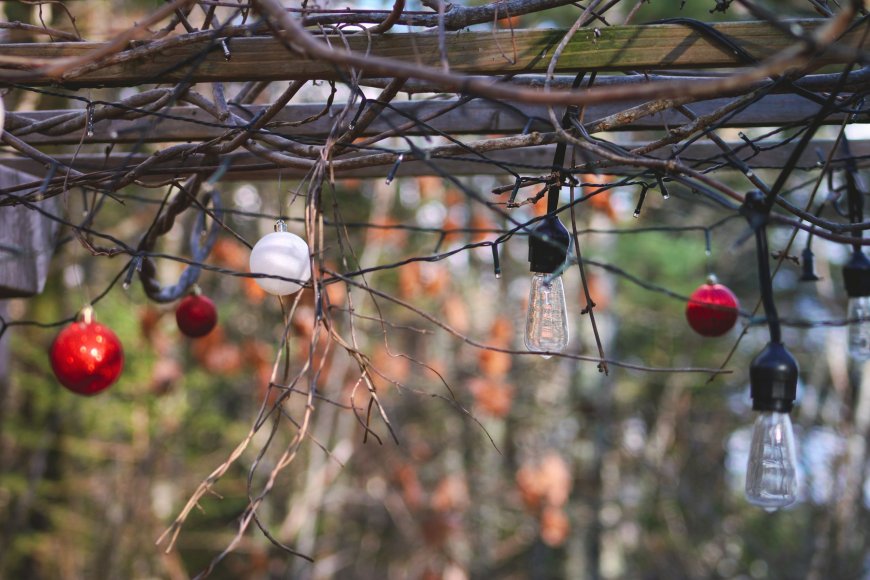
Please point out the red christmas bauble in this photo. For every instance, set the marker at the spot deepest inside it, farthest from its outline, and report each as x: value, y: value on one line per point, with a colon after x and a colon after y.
x: 86, y: 357
x: 196, y: 316
x: 712, y: 309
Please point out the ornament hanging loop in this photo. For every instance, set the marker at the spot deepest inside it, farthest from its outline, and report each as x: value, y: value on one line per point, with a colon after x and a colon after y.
x: 87, y: 314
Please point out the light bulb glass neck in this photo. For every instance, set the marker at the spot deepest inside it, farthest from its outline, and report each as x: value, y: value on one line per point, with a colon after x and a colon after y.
x: 546, y: 277
x: 773, y: 415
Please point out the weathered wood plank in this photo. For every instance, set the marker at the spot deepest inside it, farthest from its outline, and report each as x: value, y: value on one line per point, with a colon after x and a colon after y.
x: 26, y: 241
x: 528, y: 161
x: 658, y: 46
x: 472, y: 118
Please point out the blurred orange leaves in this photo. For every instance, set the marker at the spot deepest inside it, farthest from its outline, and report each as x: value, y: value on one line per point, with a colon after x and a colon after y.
x: 492, y: 393
x: 493, y: 397
x: 600, y: 199
x: 544, y: 487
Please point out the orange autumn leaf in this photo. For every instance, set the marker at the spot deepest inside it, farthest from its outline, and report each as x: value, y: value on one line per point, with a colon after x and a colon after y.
x: 554, y: 526
x: 600, y: 198
x: 387, y: 234
x: 252, y: 291
x: 394, y: 367
x: 231, y: 254
x: 412, y: 491
x: 456, y: 313
x: 201, y: 346
x: 453, y: 196
x: 450, y: 225
x: 594, y: 182
x: 529, y: 488
x: 218, y: 356
x: 259, y: 356
x: 430, y: 187
x: 481, y: 222
x: 598, y: 289
x: 336, y: 294
x: 492, y: 397
x: 493, y: 363
x: 434, y: 277
x: 557, y: 479
x: 501, y: 333
x: 539, y: 208
x: 302, y: 325
x: 451, y: 494
x: 437, y: 529
x: 546, y: 482
x: 409, y: 281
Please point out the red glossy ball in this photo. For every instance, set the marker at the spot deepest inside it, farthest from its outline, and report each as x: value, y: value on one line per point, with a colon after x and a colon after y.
x: 86, y: 357
x: 712, y: 310
x: 196, y: 316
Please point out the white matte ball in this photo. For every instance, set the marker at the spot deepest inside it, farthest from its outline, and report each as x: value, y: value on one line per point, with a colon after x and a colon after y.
x: 281, y: 254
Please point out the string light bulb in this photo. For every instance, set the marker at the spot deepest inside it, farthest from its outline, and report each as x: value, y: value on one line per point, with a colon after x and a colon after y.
x: 283, y: 254
x: 856, y: 275
x: 547, y: 318
x: 771, y: 473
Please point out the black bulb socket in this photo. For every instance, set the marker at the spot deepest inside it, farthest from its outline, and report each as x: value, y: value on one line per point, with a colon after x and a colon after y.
x: 856, y: 275
x: 773, y: 377
x: 808, y: 266
x: 548, y: 245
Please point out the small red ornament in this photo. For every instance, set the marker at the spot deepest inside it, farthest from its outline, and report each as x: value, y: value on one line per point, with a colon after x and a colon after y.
x: 86, y: 356
x: 712, y: 309
x: 196, y: 315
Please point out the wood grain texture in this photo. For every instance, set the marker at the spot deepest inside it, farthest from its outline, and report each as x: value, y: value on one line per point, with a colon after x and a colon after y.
x: 615, y: 48
x: 527, y: 161
x: 476, y: 117
x: 26, y: 241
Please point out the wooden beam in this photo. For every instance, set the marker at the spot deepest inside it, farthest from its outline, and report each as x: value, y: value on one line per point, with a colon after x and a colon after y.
x: 614, y: 48
x: 473, y: 118
x: 527, y: 161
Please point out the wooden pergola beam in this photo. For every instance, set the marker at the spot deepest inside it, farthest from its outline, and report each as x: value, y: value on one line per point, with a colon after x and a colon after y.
x: 614, y: 48
x: 527, y: 161
x: 472, y: 118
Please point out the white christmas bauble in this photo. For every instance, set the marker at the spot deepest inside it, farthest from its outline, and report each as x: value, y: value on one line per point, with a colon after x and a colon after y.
x: 281, y: 254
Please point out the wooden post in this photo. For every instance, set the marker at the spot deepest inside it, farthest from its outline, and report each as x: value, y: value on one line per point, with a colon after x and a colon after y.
x: 27, y: 241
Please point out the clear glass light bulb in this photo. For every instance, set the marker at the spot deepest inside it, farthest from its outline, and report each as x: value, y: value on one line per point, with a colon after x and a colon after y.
x: 771, y: 476
x: 547, y: 322
x: 859, y: 332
